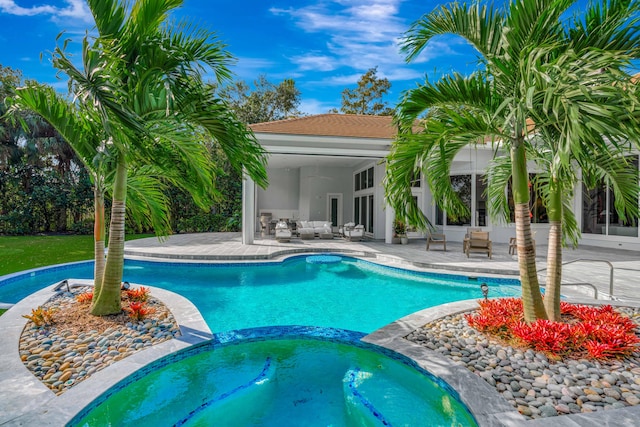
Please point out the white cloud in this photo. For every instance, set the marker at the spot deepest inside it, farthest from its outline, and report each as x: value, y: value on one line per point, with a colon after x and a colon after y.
x: 360, y: 34
x: 315, y: 62
x: 314, y: 106
x: 75, y: 9
x: 250, y: 68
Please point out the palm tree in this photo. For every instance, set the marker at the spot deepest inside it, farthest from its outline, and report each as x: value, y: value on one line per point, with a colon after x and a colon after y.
x: 143, y: 77
x: 78, y: 127
x: 498, y: 102
x: 597, y: 145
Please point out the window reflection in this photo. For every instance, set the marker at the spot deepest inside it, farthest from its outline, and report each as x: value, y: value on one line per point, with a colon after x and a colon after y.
x: 597, y: 219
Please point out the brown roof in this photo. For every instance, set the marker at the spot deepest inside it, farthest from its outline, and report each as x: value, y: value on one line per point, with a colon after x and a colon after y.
x: 350, y: 125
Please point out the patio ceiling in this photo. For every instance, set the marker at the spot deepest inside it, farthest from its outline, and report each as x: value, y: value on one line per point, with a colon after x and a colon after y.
x: 303, y: 150
x: 335, y: 140
x: 281, y: 161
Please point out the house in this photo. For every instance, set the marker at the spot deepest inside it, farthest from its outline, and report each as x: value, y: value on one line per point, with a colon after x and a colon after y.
x: 330, y: 167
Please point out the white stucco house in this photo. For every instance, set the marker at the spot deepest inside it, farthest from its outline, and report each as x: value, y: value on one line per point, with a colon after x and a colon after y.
x: 331, y: 167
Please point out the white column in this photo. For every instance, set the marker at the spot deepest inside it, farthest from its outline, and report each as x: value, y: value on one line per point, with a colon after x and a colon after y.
x: 389, y: 216
x: 248, y: 209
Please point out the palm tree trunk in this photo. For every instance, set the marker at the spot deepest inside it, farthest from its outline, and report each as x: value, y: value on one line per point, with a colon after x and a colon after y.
x: 98, y: 236
x: 554, y: 255
x: 531, y: 296
x: 108, y: 300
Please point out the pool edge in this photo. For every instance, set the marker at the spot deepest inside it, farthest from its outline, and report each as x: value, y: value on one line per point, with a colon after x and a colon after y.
x: 26, y: 401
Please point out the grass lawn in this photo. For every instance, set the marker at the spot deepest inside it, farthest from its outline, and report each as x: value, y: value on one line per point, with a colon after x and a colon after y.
x: 19, y: 253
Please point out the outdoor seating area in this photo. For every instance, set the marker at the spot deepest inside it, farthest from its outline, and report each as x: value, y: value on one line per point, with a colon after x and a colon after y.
x: 352, y: 232
x: 478, y: 241
x: 308, y: 230
x: 437, y: 239
x: 513, y: 246
x: 283, y: 233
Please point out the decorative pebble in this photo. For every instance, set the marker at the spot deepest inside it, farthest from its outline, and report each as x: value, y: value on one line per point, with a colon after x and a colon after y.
x: 62, y: 359
x: 536, y: 386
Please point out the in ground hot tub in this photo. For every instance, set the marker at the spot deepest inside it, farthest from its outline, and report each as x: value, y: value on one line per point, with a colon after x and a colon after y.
x: 285, y: 376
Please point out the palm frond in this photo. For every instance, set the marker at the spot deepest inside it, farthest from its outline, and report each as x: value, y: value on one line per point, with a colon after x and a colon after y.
x: 481, y: 26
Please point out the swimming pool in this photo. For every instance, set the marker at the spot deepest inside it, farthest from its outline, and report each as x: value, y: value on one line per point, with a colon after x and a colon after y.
x: 282, y: 377
x: 352, y: 294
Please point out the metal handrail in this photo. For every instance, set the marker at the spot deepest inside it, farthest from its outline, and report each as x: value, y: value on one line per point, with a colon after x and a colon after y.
x: 590, y: 285
x: 592, y: 260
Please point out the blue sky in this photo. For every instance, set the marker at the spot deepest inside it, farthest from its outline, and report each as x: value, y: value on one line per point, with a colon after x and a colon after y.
x: 324, y: 45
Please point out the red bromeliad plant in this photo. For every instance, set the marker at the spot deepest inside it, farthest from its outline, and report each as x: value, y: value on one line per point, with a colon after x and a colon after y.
x: 138, y: 310
x: 140, y: 294
x: 599, y: 332
x: 84, y: 297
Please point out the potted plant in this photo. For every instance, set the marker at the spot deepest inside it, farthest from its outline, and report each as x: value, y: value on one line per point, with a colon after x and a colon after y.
x: 400, y: 231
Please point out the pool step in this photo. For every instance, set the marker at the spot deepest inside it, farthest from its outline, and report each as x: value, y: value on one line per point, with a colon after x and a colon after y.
x: 359, y: 409
x: 231, y: 408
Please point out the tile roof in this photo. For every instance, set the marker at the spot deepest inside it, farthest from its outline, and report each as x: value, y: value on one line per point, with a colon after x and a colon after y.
x: 349, y: 125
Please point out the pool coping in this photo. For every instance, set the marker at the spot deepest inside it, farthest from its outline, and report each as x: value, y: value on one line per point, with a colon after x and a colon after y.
x: 485, y: 403
x: 26, y: 401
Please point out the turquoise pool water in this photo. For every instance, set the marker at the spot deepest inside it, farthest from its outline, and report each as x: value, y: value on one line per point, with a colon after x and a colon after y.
x: 280, y: 382
x: 351, y: 294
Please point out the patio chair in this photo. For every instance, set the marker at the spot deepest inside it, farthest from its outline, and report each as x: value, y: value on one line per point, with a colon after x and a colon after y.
x: 355, y: 234
x: 513, y: 246
x: 467, y: 236
x: 437, y: 239
x: 343, y: 229
x: 283, y: 234
x: 478, y: 242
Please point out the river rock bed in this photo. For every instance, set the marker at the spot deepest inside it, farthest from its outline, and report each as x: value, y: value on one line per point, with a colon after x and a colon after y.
x: 536, y: 386
x: 78, y: 344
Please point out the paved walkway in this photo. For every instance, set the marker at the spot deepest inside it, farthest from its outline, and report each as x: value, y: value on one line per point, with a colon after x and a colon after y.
x: 588, y: 264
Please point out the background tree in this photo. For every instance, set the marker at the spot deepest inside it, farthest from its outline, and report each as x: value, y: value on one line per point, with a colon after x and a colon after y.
x: 43, y: 185
x: 266, y: 102
x: 368, y: 97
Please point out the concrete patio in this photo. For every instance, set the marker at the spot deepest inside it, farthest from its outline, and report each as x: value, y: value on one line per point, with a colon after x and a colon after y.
x: 587, y: 264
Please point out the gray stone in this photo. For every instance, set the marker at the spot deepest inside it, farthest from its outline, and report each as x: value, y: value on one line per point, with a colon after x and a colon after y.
x: 548, y: 411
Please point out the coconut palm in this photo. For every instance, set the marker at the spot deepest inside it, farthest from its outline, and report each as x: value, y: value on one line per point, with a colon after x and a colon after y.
x: 143, y: 77
x: 498, y: 102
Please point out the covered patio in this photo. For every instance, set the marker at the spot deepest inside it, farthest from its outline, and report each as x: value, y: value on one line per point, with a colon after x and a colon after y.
x: 325, y: 168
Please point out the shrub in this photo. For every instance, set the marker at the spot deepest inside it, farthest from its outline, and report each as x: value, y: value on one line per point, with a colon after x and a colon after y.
x: 599, y: 332
x: 140, y: 294
x: 41, y: 316
x: 84, y: 297
x: 138, y: 310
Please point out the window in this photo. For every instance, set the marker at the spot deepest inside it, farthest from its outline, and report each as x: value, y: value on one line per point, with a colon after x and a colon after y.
x: 334, y: 212
x: 481, y: 201
x: 364, y: 180
x: 536, y: 206
x: 598, y: 219
x: 370, y: 217
x: 462, y: 186
x: 415, y: 180
x: 363, y: 209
